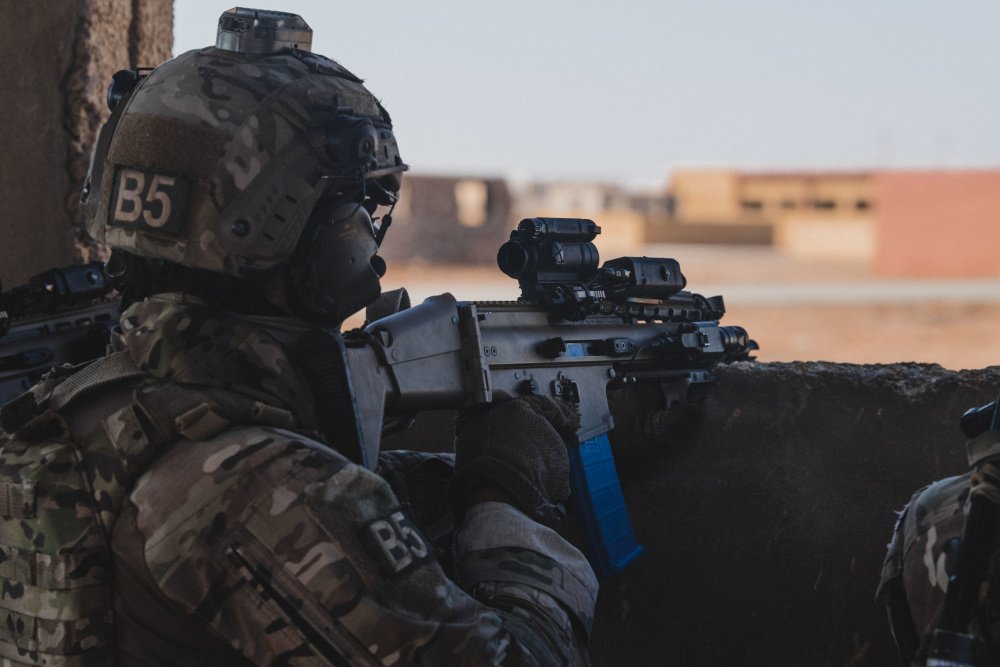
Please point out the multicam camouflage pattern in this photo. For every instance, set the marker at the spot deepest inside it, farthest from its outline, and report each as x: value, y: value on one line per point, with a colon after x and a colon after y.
x: 923, y: 554
x: 240, y: 147
x: 269, y: 538
x: 56, y: 595
x: 917, y: 555
x: 177, y: 338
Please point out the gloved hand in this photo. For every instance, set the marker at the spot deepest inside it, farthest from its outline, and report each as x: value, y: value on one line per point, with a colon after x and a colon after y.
x: 420, y: 482
x: 519, y: 449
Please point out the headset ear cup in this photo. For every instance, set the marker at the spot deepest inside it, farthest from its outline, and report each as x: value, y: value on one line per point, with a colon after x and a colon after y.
x: 335, y: 271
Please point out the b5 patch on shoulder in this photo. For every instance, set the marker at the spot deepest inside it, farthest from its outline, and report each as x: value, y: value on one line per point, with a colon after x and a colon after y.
x: 148, y: 201
x: 396, y: 543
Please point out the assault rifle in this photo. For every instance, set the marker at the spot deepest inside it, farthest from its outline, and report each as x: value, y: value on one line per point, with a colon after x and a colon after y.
x: 59, y: 316
x: 576, y: 330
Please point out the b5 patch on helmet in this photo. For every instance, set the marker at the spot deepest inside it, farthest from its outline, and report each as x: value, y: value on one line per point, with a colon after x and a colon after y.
x: 148, y: 201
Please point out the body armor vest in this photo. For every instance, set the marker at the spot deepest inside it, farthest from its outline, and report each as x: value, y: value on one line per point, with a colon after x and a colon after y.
x: 61, y: 493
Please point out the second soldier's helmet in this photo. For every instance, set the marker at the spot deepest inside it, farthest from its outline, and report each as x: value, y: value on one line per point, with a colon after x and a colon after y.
x: 220, y: 158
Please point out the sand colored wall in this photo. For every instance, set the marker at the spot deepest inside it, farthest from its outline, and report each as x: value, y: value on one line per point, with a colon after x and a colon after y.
x: 938, y: 223
x: 728, y: 196
x: 58, y: 58
x: 623, y: 232
x: 705, y: 195
x: 827, y: 237
x: 451, y: 220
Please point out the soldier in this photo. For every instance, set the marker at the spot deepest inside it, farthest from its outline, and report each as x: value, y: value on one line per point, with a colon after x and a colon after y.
x: 175, y: 502
x: 940, y: 578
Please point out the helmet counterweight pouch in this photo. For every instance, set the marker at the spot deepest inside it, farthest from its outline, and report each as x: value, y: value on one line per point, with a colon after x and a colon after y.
x: 336, y: 270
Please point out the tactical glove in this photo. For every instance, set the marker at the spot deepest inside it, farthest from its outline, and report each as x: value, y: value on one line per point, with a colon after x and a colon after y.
x: 519, y: 449
x: 420, y: 481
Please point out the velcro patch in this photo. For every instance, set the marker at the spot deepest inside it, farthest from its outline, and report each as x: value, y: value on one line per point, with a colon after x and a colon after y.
x: 396, y: 543
x: 148, y: 201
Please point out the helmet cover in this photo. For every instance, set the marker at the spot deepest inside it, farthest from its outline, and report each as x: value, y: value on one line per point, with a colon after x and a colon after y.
x: 217, y: 158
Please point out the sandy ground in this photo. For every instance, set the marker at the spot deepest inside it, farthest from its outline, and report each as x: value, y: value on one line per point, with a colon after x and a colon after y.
x: 798, y: 309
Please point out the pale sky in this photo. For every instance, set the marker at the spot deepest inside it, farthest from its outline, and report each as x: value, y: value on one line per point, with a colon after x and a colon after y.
x: 625, y: 91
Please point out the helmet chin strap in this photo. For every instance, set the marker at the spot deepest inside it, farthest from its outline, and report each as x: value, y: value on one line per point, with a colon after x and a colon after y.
x: 383, y: 227
x: 377, y: 194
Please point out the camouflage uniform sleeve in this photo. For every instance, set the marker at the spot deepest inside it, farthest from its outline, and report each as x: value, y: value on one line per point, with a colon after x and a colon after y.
x: 539, y: 581
x: 297, y: 557
x: 891, y: 591
x: 915, y: 573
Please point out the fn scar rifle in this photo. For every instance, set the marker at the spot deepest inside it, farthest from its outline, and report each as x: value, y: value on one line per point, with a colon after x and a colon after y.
x: 577, y: 329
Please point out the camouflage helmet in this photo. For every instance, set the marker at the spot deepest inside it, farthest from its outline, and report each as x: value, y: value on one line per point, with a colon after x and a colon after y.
x: 217, y: 158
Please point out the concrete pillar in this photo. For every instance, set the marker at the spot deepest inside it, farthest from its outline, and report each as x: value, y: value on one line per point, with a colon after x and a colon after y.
x: 59, y: 56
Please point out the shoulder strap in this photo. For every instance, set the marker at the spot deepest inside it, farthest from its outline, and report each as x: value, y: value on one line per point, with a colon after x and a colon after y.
x: 64, y: 385
x: 108, y: 370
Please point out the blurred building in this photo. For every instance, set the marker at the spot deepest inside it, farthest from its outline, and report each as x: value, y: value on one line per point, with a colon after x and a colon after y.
x: 938, y: 223
x: 810, y: 214
x: 901, y: 223
x: 622, y: 216
x: 450, y: 219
